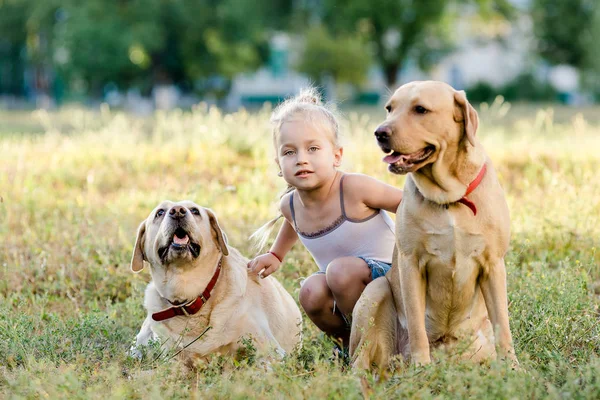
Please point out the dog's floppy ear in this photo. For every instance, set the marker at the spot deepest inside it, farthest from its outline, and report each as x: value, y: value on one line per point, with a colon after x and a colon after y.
x: 138, y: 257
x: 220, y: 236
x: 468, y: 115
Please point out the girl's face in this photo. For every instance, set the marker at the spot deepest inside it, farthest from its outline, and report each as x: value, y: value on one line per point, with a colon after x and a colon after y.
x: 307, y: 157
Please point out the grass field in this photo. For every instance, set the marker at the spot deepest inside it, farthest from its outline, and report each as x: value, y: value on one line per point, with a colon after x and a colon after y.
x: 75, y: 184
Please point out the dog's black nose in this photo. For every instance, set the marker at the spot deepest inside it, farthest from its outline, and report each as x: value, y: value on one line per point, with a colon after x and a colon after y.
x: 383, y: 133
x: 177, y: 212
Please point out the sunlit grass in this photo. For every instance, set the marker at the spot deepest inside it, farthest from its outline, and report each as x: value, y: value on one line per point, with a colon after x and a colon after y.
x: 75, y: 184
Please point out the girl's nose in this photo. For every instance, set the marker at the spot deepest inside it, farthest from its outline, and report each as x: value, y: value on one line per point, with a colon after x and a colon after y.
x: 301, y: 158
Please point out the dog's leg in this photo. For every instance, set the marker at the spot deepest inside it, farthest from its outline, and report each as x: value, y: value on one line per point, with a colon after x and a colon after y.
x: 413, y: 283
x: 273, y: 343
x: 493, y: 287
x: 142, y: 338
x: 373, y: 335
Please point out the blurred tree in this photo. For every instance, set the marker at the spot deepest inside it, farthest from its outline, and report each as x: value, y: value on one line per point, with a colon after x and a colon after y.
x: 227, y: 37
x: 25, y: 30
x: 403, y: 29
x: 142, y: 42
x: 591, y: 59
x: 98, y: 42
x: 562, y: 28
x: 345, y: 59
x: 13, y: 15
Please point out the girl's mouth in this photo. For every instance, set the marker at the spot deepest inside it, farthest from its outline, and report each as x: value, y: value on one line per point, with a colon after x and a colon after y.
x: 303, y: 173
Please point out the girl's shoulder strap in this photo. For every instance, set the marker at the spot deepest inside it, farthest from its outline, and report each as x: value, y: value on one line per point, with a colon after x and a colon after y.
x: 342, y: 195
x: 292, y: 209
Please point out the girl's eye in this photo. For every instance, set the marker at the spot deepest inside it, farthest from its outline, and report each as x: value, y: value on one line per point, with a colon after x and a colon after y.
x: 421, y: 110
x: 195, y: 211
x: 288, y: 152
x: 159, y: 213
x: 313, y: 148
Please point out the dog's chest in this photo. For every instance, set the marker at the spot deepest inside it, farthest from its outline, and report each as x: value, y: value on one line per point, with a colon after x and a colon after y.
x: 453, y: 252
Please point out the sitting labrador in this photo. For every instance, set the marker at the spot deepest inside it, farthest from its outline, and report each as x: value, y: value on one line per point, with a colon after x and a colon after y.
x: 448, y: 280
x: 198, y: 281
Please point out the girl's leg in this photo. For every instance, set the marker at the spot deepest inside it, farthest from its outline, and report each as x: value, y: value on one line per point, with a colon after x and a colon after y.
x: 317, y: 301
x: 347, y: 277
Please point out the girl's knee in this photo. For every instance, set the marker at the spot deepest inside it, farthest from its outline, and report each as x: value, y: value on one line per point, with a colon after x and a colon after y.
x: 345, y: 272
x: 337, y: 278
x: 314, y: 295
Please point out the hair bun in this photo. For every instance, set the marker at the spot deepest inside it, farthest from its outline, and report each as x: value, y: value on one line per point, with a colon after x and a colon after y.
x: 309, y: 95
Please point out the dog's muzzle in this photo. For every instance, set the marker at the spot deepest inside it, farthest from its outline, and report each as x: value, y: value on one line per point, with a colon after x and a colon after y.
x: 179, y: 245
x: 382, y: 134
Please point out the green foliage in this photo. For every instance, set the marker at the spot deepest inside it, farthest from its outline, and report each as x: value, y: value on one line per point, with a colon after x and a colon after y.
x: 247, y: 350
x: 346, y: 58
x: 89, y: 339
x: 156, y: 40
x: 561, y: 28
x: 591, y: 44
x: 399, y: 30
x: 482, y: 91
x: 12, y: 21
x: 74, y: 191
x: 525, y: 87
x: 140, y: 42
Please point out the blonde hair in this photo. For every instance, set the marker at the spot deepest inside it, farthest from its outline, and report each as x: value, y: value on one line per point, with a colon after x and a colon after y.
x: 309, y: 105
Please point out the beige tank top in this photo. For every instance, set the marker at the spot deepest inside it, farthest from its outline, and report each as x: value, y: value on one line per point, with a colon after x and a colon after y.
x: 372, y: 237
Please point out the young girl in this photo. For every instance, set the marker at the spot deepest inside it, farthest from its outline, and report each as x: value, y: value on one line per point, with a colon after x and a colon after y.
x: 339, y: 217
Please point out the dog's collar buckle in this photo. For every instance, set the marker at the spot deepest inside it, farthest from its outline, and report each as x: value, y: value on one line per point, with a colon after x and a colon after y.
x: 472, y: 186
x: 193, y: 306
x: 189, y: 303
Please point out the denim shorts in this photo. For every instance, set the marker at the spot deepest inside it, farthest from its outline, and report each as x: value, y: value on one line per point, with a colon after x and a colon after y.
x: 378, y: 268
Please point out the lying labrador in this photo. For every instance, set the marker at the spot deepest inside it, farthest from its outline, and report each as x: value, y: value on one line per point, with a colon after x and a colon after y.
x: 198, y: 281
x: 448, y: 280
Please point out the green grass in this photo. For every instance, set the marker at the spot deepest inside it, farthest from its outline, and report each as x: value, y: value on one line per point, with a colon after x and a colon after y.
x: 75, y: 184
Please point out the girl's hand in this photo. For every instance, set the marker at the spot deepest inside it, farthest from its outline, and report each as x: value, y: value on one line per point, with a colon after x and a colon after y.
x: 264, y: 265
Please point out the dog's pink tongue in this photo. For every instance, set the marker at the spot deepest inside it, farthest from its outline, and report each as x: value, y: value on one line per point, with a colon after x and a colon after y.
x: 392, y: 158
x: 181, y: 241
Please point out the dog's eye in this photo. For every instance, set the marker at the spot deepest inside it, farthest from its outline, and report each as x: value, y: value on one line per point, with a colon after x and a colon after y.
x: 195, y: 211
x: 421, y: 110
x: 159, y: 213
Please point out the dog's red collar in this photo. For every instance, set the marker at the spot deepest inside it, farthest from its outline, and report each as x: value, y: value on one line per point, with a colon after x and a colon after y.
x: 472, y: 186
x: 193, y: 306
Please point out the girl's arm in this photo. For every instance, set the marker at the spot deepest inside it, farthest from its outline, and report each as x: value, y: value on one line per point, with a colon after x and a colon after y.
x: 286, y: 237
x: 372, y: 192
x: 284, y: 241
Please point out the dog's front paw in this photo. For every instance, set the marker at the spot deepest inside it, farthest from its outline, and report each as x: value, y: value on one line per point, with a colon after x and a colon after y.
x: 421, y: 359
x: 280, y: 353
x: 135, y: 353
x: 514, y: 364
x: 509, y: 357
